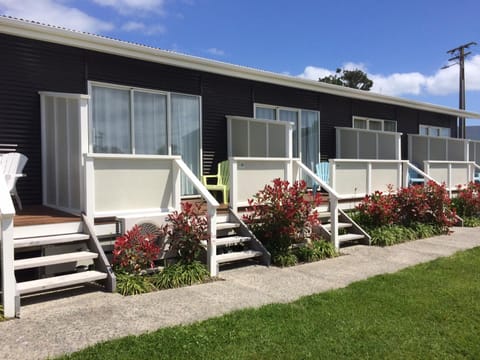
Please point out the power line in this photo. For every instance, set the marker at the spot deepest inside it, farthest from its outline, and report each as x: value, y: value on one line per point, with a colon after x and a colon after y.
x: 459, y: 56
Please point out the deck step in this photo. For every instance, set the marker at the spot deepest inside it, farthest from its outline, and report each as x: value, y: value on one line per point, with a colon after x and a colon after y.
x: 48, y: 240
x: 53, y: 259
x: 227, y: 226
x: 231, y: 240
x: 28, y: 287
x: 350, y: 237
x: 239, y: 255
x: 324, y: 215
x: 340, y: 226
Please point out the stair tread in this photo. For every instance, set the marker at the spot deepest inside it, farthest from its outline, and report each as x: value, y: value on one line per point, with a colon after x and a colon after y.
x: 323, y: 214
x: 227, y: 225
x: 53, y: 259
x: 341, y: 225
x: 32, y: 286
x: 239, y: 255
x: 231, y: 240
x: 48, y: 240
x: 349, y: 237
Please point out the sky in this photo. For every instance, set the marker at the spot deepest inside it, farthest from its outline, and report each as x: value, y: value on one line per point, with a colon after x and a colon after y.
x: 401, y: 45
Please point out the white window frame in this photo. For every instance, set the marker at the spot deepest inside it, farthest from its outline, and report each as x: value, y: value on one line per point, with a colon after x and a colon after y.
x: 299, y: 117
x: 131, y: 90
x: 367, y: 119
x: 430, y: 128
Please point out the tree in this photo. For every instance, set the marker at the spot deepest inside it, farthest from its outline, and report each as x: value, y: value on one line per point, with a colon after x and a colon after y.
x: 356, y: 79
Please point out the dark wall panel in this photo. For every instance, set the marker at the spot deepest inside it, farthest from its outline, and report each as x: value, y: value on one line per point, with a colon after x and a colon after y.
x: 26, y: 67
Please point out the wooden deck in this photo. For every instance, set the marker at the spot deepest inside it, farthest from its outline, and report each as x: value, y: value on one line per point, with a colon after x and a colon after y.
x: 39, y: 215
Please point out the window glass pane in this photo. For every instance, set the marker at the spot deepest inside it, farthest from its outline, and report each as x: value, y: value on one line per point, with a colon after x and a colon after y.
x: 390, y: 126
x: 265, y: 113
x: 186, y: 134
x: 375, y: 125
x: 445, y: 132
x: 150, y: 122
x: 111, y: 120
x: 434, y: 131
x: 291, y: 116
x: 359, y: 123
x: 310, y: 138
x: 423, y: 130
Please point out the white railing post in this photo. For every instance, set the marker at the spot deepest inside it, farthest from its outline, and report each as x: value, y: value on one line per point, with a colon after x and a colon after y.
x: 233, y: 184
x: 405, y: 174
x: 211, y: 244
x: 89, y: 197
x: 177, y: 187
x: 9, y: 284
x: 334, y: 222
x: 369, y: 177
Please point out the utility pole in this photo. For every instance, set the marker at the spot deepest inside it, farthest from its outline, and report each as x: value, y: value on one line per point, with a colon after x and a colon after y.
x: 459, y: 55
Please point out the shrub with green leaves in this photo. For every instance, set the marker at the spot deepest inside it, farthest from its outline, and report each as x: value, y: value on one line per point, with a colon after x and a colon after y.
x: 180, y: 274
x: 315, y: 251
x: 281, y: 216
x: 133, y: 284
x: 394, y: 234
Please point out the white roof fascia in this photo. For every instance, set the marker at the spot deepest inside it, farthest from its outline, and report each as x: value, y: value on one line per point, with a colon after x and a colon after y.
x: 62, y: 36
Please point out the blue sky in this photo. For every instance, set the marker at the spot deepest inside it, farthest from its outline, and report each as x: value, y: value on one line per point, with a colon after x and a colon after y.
x: 400, y: 44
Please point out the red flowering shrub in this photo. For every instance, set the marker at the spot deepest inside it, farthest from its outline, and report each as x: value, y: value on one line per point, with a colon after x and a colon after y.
x: 378, y: 209
x: 135, y: 251
x: 429, y: 204
x: 467, y: 203
x: 281, y: 216
x: 186, y: 230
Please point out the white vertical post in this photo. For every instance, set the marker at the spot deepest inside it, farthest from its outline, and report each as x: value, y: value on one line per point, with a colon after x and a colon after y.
x: 212, y: 239
x: 289, y: 140
x: 233, y: 184
x: 334, y: 222
x: 369, y: 177
x: 449, y: 179
x: 398, y: 147
x: 9, y: 285
x: 333, y: 173
x: 466, y: 150
x: 405, y: 174
x: 89, y: 205
x: 177, y: 187
x: 83, y: 137
x: 288, y: 171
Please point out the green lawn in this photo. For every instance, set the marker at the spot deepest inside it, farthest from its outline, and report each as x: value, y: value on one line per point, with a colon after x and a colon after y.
x: 430, y: 311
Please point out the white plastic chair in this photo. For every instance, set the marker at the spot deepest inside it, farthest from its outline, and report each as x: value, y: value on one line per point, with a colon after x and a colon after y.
x: 11, y: 166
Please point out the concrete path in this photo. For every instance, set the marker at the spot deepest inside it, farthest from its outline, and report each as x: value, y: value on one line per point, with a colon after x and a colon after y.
x: 67, y: 324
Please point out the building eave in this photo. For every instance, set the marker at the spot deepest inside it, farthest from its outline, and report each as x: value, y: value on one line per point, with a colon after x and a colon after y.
x: 62, y: 36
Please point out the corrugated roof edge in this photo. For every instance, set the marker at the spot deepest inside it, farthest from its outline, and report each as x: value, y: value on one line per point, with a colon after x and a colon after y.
x: 60, y: 35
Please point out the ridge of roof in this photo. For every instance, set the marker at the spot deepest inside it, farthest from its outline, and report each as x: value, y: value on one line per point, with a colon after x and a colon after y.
x: 61, y: 35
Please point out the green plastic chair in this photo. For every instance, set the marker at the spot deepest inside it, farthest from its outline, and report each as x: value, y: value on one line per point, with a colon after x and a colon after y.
x: 222, y: 180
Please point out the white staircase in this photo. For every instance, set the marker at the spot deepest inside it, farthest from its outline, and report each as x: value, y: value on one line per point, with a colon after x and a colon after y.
x: 350, y: 233
x: 236, y: 243
x: 58, y: 261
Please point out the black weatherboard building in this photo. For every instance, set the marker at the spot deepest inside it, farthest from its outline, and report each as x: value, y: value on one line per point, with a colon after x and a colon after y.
x: 149, y: 101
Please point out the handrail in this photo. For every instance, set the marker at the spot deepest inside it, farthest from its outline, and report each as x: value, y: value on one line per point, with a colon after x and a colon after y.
x: 9, y: 286
x: 333, y: 198
x: 212, y: 206
x: 420, y: 172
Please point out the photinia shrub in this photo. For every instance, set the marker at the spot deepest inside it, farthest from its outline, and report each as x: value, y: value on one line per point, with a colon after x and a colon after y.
x: 135, y: 251
x: 429, y: 204
x: 282, y: 216
x: 186, y: 230
x: 378, y: 209
x: 467, y: 202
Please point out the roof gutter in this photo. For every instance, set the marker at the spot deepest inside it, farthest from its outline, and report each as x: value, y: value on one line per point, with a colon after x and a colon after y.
x: 62, y: 36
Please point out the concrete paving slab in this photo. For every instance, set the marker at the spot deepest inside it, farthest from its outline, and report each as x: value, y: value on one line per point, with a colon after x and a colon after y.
x: 70, y: 323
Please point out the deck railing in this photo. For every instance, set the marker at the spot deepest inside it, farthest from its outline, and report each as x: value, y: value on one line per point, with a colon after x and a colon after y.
x: 452, y: 173
x: 7, y: 212
x: 352, y: 143
x: 118, y: 184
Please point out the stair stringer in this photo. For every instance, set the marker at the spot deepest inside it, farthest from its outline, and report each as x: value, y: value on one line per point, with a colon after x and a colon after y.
x: 255, y: 244
x: 355, y: 228
x: 101, y: 262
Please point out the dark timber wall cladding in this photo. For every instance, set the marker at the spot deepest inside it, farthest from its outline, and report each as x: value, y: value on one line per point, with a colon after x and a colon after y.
x: 28, y: 66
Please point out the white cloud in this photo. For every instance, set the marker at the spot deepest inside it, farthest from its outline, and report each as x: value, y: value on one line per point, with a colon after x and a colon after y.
x: 443, y: 82
x: 146, y: 29
x: 126, y: 7
x: 54, y: 13
x: 216, y: 52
